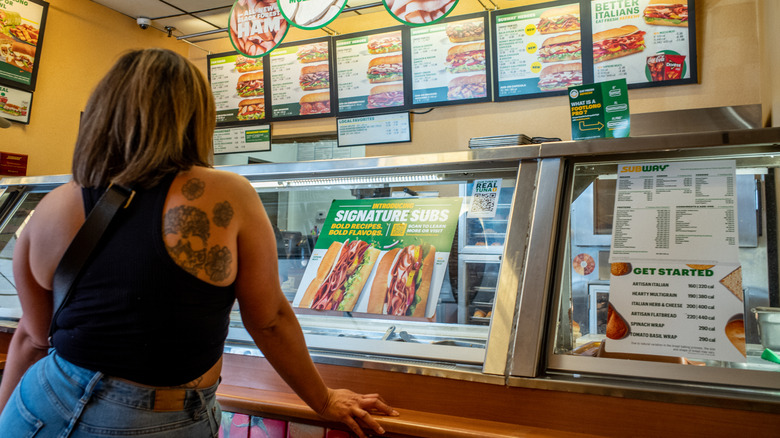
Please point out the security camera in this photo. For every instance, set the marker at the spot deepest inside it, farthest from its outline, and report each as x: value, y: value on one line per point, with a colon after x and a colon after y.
x: 143, y: 22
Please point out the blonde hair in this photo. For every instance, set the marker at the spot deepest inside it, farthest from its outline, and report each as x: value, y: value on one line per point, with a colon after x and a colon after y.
x: 152, y: 114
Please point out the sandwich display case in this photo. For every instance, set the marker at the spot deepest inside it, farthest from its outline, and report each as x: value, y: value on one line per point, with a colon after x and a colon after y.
x: 523, y: 294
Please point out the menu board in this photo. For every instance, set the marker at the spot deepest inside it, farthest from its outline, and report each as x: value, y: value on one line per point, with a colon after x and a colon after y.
x: 538, y: 50
x: 381, y: 256
x: 449, y: 62
x: 21, y: 37
x: 376, y: 129
x: 676, y: 283
x: 15, y: 104
x: 238, y: 85
x: 242, y: 139
x: 543, y: 49
x: 643, y: 41
x: 370, y: 71
x: 300, y: 80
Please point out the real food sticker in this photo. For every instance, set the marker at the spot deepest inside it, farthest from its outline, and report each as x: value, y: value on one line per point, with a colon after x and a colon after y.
x: 381, y: 256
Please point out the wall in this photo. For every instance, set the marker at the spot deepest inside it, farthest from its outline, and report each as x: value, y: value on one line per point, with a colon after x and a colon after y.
x: 730, y: 73
x: 82, y: 40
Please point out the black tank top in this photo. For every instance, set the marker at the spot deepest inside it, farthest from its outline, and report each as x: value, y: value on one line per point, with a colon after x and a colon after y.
x: 135, y: 314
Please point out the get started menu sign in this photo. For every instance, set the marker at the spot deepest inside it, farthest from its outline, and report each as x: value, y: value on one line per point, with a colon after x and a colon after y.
x: 381, y: 256
x: 676, y: 283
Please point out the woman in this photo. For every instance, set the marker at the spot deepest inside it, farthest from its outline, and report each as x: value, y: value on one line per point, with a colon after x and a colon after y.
x: 137, y: 350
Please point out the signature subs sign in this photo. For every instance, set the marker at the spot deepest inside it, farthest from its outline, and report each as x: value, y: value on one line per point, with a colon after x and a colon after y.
x: 256, y: 27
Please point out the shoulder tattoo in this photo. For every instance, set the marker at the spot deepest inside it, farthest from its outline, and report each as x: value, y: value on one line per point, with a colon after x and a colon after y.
x: 192, y: 228
x: 217, y: 264
x: 193, y: 188
x: 223, y: 213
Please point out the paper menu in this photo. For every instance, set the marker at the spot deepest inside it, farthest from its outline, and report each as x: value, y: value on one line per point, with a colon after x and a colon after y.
x: 679, y: 211
x: 676, y: 283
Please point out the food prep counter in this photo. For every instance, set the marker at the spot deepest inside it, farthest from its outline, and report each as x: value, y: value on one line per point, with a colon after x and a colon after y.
x: 519, y: 318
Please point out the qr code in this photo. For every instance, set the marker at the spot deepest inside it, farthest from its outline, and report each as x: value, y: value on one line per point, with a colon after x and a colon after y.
x: 483, y: 202
x: 398, y: 230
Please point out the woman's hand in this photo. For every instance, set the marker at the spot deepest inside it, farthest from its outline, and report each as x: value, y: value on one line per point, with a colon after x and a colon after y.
x: 354, y: 410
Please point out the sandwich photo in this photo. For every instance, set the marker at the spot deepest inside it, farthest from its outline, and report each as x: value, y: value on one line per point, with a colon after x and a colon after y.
x: 385, y: 69
x: 466, y: 57
x: 10, y: 18
x: 614, y: 43
x: 735, y: 332
x: 559, y: 48
x: 465, y: 31
x: 315, y: 77
x: 563, y: 19
x: 558, y: 77
x: 251, y: 109
x: 666, y: 13
x: 419, y: 11
x: 250, y: 84
x: 310, y: 13
x: 617, y: 327
x: 244, y: 64
x: 341, y: 276
x: 384, y: 43
x: 385, y: 96
x: 313, y: 52
x: 315, y: 103
x: 19, y: 55
x: 402, y: 281
x: 14, y: 110
x: 467, y: 87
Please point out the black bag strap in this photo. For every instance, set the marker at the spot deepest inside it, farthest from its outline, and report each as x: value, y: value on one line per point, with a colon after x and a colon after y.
x: 68, y: 270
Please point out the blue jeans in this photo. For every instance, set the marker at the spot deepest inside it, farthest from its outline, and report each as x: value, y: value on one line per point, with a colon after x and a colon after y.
x: 58, y: 399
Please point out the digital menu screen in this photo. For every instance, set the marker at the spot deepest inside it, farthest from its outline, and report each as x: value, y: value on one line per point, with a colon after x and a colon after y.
x: 22, y: 27
x: 538, y: 50
x: 238, y: 84
x: 301, y: 80
x: 370, y: 71
x: 450, y: 63
x: 543, y: 49
x: 645, y: 42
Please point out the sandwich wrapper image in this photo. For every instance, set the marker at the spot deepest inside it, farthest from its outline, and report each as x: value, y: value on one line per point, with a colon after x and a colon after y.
x: 381, y: 256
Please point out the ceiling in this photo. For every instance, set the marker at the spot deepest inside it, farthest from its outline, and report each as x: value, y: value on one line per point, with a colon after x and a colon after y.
x: 193, y: 20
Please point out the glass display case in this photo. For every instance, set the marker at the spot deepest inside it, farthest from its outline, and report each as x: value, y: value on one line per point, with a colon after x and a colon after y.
x: 662, y: 310
x: 523, y: 295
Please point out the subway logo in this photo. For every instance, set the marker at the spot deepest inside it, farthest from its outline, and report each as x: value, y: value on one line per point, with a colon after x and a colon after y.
x: 644, y: 168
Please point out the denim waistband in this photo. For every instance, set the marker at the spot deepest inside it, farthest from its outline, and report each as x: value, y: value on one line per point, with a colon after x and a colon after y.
x: 132, y: 394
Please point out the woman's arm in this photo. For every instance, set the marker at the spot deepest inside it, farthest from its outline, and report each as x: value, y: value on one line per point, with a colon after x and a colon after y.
x: 271, y: 322
x: 30, y: 340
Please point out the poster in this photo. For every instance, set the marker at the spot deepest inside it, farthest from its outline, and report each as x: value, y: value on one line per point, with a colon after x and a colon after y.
x: 21, y: 37
x: 300, y: 79
x: 370, y: 71
x: 676, y: 283
x: 381, y: 256
x: 15, y: 104
x: 538, y: 50
x: 238, y: 85
x: 641, y: 41
x: 419, y: 12
x: 449, y: 62
x: 256, y: 28
x: 311, y: 14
